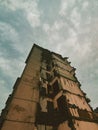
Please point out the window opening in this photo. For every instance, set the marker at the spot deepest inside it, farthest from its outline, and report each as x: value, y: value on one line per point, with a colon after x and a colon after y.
x: 50, y: 107
x: 55, y: 87
x: 62, y: 105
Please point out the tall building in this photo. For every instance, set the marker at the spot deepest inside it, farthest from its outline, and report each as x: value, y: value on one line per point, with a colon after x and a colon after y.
x: 47, y: 96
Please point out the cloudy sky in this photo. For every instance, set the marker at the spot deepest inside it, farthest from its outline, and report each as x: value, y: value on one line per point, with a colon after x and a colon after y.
x: 68, y: 27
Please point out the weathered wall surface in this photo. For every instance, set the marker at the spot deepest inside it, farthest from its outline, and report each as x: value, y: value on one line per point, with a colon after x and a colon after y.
x: 64, y: 126
x: 82, y: 125
x: 22, y: 109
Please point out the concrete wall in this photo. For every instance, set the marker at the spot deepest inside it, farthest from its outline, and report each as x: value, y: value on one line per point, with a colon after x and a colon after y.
x: 83, y: 125
x: 22, y: 109
x: 64, y: 126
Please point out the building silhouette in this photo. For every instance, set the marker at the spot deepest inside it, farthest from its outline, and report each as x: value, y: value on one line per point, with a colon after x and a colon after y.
x: 47, y: 96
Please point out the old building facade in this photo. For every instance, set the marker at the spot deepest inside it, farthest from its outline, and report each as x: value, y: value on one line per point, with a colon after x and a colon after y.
x: 47, y: 96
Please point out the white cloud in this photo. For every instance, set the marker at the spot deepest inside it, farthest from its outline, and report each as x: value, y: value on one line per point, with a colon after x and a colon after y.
x: 54, y: 31
x: 75, y: 18
x: 10, y: 36
x: 83, y: 50
x: 59, y: 24
x: 3, y: 93
x: 72, y: 39
x: 33, y: 14
x: 63, y: 9
x: 56, y: 26
x: 33, y: 19
x: 29, y: 7
x: 46, y: 27
x: 85, y: 5
x: 11, y: 69
x: 65, y: 4
x: 7, y: 32
x: 71, y: 43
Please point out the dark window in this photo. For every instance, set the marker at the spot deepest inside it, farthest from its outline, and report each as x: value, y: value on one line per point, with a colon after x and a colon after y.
x: 55, y: 73
x: 49, y: 77
x: 46, y: 56
x: 48, y: 67
x: 42, y: 91
x: 62, y: 105
x: 50, y: 107
x: 55, y: 87
x: 50, y: 91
